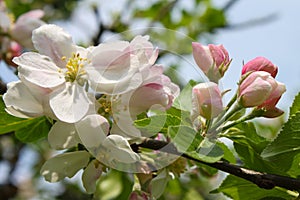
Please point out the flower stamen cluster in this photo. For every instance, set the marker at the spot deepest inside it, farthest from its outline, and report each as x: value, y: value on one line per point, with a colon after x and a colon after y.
x: 75, y: 69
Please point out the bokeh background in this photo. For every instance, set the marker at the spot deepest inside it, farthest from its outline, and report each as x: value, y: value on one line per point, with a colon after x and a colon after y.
x: 247, y: 29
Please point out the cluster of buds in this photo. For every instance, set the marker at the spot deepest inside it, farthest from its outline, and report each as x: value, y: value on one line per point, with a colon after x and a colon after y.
x: 257, y: 89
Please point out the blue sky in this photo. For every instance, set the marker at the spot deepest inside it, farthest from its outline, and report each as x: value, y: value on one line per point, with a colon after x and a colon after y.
x: 278, y: 41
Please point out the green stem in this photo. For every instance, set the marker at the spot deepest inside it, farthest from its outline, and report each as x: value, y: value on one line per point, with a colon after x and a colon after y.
x: 235, y: 109
x: 253, y: 114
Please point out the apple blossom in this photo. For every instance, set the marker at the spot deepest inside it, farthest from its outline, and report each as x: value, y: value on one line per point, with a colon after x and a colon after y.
x: 213, y: 60
x: 256, y: 88
x: 24, y: 100
x: 206, y: 100
x: 59, y: 67
x: 118, y: 67
x: 157, y: 92
x: 112, y: 150
x: 260, y: 64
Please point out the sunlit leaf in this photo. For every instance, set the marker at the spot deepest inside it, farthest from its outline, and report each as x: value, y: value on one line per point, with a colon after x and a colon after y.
x: 286, y: 146
x: 240, y: 189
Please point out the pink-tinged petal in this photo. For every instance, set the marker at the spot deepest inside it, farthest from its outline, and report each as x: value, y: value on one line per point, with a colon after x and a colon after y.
x: 70, y: 103
x: 113, y: 85
x: 206, y: 100
x: 92, y: 131
x: 274, y: 97
x: 39, y: 70
x: 260, y: 64
x: 53, y: 41
x: 20, y: 102
x: 64, y: 165
x: 256, y: 88
x: 202, y: 56
x: 91, y: 175
x: 37, y: 14
x: 219, y: 54
x: 63, y: 136
x: 25, y: 24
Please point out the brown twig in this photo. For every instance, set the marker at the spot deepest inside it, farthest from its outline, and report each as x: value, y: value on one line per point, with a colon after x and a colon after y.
x: 262, y: 180
x: 3, y: 87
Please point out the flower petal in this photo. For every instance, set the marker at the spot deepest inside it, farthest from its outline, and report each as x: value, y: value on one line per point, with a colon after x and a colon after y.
x: 70, y: 103
x: 119, y: 149
x: 19, y: 98
x: 63, y: 136
x: 92, y: 131
x: 53, y: 41
x: 64, y: 165
x: 39, y: 70
x: 90, y: 175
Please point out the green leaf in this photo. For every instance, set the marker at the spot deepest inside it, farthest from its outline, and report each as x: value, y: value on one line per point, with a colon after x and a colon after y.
x: 228, y: 154
x: 184, y: 138
x: 296, y: 105
x: 188, y: 141
x: 184, y: 100
x: 208, y: 151
x: 240, y: 189
x: 38, y: 128
x: 245, y: 133
x: 248, y: 144
x: 253, y: 160
x: 286, y: 147
x: 113, y: 185
x: 9, y: 123
x: 161, y: 122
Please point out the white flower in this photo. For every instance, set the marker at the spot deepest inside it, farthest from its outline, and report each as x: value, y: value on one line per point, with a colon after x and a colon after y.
x: 60, y: 67
x: 110, y: 150
x: 117, y: 67
x: 25, y: 100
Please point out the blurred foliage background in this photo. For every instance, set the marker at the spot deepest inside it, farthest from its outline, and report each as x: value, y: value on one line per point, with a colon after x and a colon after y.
x: 172, y: 25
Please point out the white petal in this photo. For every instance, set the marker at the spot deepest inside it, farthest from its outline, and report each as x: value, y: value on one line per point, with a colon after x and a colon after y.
x: 90, y: 176
x: 70, y: 103
x: 63, y: 136
x: 39, y: 70
x: 114, y: 86
x: 53, y: 41
x: 92, y: 131
x: 119, y: 149
x: 64, y: 165
x: 19, y: 98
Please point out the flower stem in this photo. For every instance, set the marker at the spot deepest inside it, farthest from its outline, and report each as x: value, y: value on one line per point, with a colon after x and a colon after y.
x: 237, y: 107
x: 253, y: 114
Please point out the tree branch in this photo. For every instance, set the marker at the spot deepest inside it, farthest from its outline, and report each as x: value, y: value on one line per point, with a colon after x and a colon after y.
x: 262, y: 180
x: 3, y: 87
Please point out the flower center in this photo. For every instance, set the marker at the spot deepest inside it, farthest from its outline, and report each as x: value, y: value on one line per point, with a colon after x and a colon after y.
x: 75, y: 67
x: 105, y: 107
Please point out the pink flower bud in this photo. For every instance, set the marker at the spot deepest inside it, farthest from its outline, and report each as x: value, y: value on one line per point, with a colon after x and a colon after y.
x: 207, y: 100
x: 213, y: 60
x: 274, y: 97
x: 260, y: 64
x: 256, y: 88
